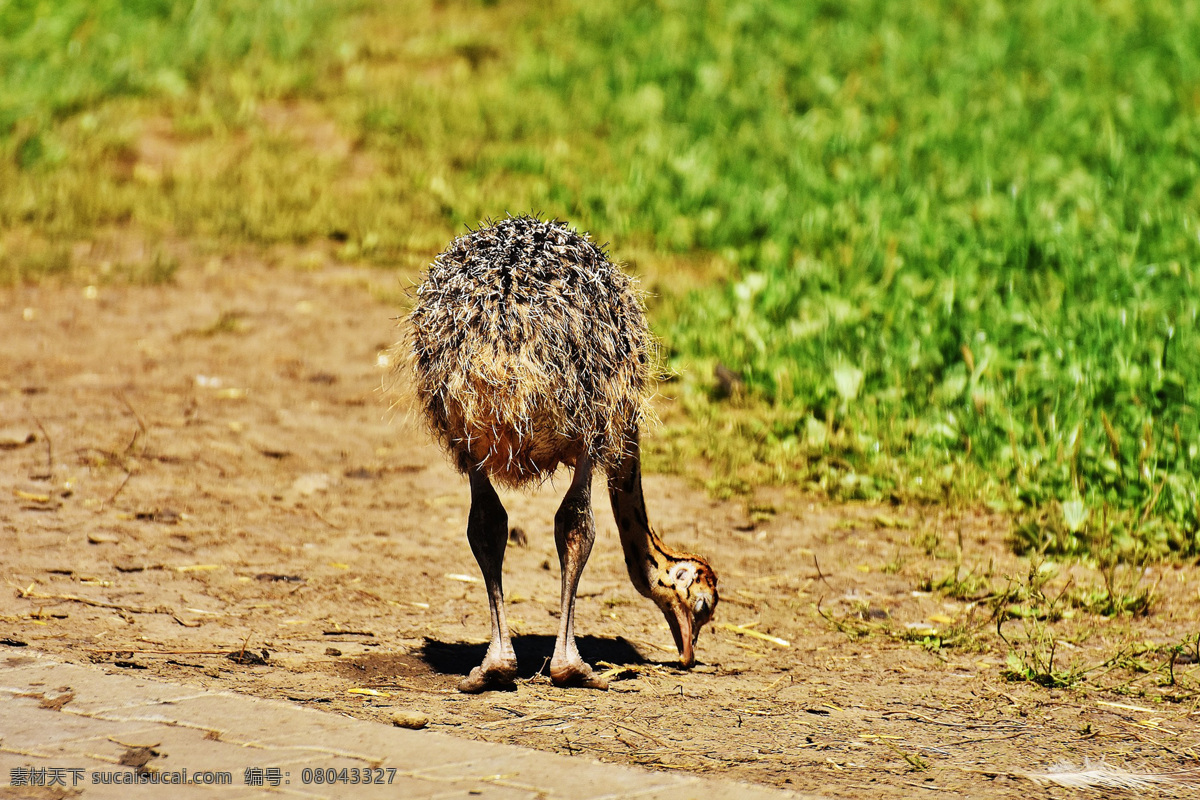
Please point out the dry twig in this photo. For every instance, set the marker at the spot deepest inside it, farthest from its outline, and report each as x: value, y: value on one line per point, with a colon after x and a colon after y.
x: 49, y: 451
x: 29, y: 594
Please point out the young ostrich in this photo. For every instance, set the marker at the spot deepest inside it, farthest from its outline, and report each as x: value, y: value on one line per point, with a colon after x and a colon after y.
x: 529, y: 349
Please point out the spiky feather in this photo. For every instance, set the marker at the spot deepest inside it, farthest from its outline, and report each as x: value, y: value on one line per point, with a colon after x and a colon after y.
x: 528, y: 348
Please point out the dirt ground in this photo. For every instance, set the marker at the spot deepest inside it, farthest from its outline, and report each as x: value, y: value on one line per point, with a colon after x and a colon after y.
x: 209, y: 467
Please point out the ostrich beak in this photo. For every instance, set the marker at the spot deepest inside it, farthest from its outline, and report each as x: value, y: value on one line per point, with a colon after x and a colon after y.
x: 679, y: 618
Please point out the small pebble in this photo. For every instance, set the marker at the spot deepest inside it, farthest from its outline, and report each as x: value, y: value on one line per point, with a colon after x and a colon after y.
x: 410, y: 719
x: 332, y: 651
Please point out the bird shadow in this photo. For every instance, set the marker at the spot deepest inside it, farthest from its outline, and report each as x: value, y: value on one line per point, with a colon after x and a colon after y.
x: 533, y: 654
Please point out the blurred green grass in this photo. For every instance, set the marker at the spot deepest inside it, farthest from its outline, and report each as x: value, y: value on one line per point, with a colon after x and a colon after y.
x: 947, y: 249
x: 62, y: 57
x: 963, y: 238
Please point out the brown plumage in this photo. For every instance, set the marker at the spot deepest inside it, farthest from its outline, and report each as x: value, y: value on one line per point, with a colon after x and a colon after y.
x: 529, y: 345
x: 529, y: 349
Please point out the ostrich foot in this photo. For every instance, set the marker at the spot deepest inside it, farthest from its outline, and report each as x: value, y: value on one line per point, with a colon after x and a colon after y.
x: 576, y: 673
x: 491, y: 674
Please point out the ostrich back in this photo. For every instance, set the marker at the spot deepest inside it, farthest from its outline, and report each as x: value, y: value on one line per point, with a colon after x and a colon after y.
x: 529, y: 348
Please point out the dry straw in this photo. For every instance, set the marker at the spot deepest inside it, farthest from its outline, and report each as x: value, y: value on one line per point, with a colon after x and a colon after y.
x: 1100, y: 775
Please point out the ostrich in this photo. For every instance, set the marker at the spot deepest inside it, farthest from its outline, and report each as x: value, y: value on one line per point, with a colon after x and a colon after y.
x: 528, y: 350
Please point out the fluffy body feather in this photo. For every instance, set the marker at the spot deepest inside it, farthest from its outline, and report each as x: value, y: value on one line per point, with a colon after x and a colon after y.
x: 529, y: 347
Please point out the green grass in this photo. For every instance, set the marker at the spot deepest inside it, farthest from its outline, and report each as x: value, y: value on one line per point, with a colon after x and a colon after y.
x: 949, y: 249
x: 339, y: 127
x: 963, y: 240
x: 60, y: 57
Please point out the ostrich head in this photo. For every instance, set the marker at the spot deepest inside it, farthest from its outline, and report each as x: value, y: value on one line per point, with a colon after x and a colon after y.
x: 685, y: 589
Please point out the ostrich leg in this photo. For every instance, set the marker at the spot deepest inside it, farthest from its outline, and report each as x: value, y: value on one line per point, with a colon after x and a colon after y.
x: 487, y: 531
x: 574, y: 533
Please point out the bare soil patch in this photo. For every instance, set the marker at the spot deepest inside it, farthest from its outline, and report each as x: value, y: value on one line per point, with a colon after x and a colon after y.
x: 203, y: 481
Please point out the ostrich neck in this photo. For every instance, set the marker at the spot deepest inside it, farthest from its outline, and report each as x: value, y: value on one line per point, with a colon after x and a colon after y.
x: 647, y: 558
